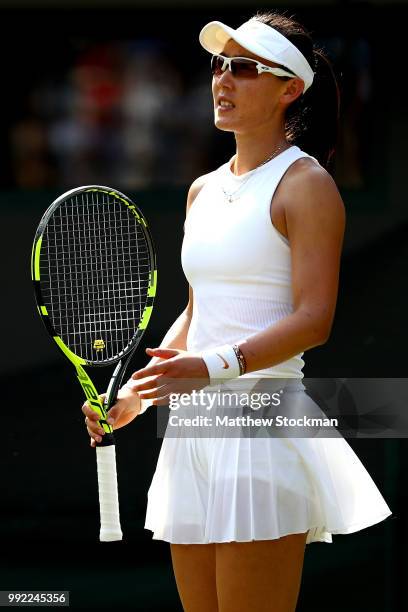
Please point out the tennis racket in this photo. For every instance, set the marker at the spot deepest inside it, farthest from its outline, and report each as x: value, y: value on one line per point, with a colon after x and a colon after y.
x: 94, y: 272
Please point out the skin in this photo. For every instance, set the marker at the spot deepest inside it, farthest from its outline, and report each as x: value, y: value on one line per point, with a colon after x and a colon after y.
x: 308, y: 210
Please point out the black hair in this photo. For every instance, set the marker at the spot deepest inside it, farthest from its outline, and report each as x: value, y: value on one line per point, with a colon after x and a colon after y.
x: 312, y: 120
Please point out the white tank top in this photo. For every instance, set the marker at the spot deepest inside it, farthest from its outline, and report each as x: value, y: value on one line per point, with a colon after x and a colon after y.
x: 236, y: 261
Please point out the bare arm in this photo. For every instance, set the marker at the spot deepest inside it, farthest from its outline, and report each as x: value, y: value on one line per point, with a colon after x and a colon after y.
x: 315, y: 219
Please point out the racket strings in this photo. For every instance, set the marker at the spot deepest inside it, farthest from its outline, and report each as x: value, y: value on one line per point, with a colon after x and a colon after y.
x: 95, y: 274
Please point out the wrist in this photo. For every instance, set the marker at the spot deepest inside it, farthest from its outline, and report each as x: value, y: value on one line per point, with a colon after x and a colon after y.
x: 224, y: 362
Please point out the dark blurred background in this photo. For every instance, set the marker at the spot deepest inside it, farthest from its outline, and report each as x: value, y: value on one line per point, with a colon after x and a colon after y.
x: 118, y: 93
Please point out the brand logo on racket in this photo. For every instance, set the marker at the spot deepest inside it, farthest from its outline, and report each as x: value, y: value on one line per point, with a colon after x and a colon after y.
x: 91, y: 395
x: 99, y: 345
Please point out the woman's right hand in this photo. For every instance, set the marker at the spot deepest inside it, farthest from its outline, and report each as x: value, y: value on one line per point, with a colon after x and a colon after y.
x: 126, y: 408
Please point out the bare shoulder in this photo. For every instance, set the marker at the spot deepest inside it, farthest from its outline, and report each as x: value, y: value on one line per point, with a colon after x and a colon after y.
x: 196, y: 187
x: 309, y: 188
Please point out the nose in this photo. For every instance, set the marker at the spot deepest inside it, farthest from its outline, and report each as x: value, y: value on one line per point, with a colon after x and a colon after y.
x: 224, y: 79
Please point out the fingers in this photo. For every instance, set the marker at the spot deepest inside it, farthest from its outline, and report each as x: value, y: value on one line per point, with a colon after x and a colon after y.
x: 149, y: 384
x: 161, y: 401
x: 156, y: 392
x: 126, y: 408
x: 158, y: 368
x: 95, y: 431
x: 113, y: 414
x: 166, y: 354
x: 163, y: 353
x: 90, y: 412
x: 168, y: 357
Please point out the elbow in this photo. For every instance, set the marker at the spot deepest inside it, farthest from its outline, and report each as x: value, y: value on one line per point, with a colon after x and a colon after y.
x: 322, y: 339
x: 322, y: 333
x: 319, y: 329
x: 316, y: 338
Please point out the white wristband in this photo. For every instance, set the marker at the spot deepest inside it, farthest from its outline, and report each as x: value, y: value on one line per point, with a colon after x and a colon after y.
x: 221, y: 362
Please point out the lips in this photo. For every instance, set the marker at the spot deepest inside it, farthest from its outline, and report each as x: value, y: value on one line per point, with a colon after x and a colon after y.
x: 225, y: 104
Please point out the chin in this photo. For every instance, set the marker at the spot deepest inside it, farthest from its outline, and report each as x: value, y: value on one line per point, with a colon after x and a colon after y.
x: 226, y: 126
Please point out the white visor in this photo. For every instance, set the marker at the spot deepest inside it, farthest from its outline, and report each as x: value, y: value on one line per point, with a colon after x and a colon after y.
x: 261, y: 39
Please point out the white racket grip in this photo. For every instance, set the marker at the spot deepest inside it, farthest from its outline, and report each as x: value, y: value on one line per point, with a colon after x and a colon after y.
x: 108, y: 494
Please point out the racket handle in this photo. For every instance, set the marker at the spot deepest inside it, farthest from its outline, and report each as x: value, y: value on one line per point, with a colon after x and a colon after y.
x: 108, y: 494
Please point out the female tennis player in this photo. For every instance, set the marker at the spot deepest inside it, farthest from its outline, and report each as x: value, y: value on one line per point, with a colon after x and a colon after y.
x: 261, y: 253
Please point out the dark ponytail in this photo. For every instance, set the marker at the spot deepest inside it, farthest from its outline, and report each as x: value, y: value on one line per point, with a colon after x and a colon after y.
x: 312, y: 120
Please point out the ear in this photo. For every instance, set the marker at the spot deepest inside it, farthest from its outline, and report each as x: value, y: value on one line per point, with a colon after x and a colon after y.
x: 292, y: 91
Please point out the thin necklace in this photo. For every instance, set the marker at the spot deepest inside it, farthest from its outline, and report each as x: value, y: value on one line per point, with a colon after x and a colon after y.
x: 229, y: 195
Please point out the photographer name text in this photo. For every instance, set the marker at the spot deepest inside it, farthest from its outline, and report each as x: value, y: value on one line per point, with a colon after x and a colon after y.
x: 248, y: 421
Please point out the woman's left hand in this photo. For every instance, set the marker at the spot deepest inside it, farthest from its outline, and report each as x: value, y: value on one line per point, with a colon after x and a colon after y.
x: 180, y: 372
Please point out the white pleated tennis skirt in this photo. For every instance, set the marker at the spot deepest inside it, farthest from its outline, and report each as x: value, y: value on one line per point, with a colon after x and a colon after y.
x: 224, y: 489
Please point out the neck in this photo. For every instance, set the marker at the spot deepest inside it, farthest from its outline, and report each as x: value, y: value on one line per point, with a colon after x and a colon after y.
x: 253, y: 151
